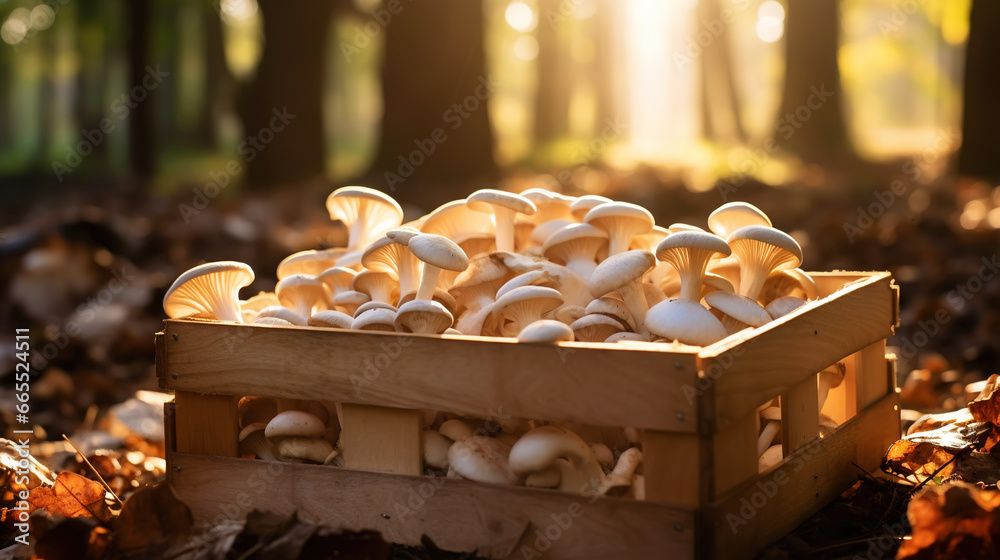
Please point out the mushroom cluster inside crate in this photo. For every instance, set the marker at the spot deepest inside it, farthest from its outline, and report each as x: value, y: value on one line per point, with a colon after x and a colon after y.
x: 696, y: 410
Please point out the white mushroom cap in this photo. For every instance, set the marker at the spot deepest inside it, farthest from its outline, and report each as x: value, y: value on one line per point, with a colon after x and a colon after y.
x: 790, y: 282
x: 309, y: 262
x: 522, y: 306
x: 302, y: 294
x: 422, y: 316
x: 373, y: 305
x: 622, y: 221
x: 685, y: 321
x: 283, y: 313
x: 330, y: 319
x: 529, y: 278
x: 455, y: 430
x: 538, y: 450
x: 375, y: 320
x: 477, y: 285
x: 545, y: 331
x: 649, y: 240
x: 549, y: 205
x: 689, y: 252
x: 741, y: 308
x: 613, y: 307
x: 504, y: 206
x: 626, y: 336
x: 211, y: 289
x: 436, y: 449
x: 456, y: 221
x: 295, y: 423
x: 314, y: 450
x: 681, y: 227
x: 437, y: 253
x: 783, y: 306
x: 595, y: 328
x: 715, y: 283
x: 440, y: 296
x: 378, y: 286
x: 337, y: 279
x: 349, y: 301
x: 403, y: 234
x: 391, y: 257
x: 260, y: 301
x: 623, y: 273
x: 576, y: 246
x: 482, y: 459
x: 367, y: 213
x: 731, y: 216
x: 761, y: 250
x: 253, y: 442
x: 583, y: 204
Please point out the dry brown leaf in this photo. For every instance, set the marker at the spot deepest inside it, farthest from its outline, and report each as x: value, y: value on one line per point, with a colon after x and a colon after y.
x: 933, y: 442
x: 72, y: 496
x: 151, y: 517
x: 954, y: 521
x: 986, y: 408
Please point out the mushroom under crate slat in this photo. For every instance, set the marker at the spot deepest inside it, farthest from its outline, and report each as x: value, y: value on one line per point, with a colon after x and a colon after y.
x: 560, y: 378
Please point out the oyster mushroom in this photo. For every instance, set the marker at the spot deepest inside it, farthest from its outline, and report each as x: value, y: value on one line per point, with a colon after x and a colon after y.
x: 209, y: 290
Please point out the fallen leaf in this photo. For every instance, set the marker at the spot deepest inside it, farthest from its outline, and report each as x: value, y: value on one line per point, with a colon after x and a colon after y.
x: 986, y: 408
x: 152, y: 517
x: 933, y: 441
x: 72, y: 496
x: 954, y: 521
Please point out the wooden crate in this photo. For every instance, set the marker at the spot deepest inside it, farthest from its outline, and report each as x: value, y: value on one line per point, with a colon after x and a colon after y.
x: 696, y: 411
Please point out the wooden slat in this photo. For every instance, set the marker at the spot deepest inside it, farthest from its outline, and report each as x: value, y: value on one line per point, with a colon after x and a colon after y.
x: 734, y: 454
x: 763, y: 509
x: 871, y: 374
x: 799, y: 415
x: 207, y: 424
x: 459, y: 515
x: 600, y: 384
x: 380, y: 439
x: 667, y: 459
x: 169, y: 427
x: 781, y: 354
x: 829, y: 282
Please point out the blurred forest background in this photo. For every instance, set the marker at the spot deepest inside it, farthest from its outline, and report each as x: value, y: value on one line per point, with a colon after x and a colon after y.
x: 141, y: 137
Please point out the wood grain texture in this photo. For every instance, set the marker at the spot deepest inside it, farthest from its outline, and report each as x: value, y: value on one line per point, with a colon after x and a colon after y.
x: 776, y: 357
x: 734, y: 454
x: 799, y: 415
x: 207, y: 424
x: 599, y: 384
x: 766, y: 507
x: 671, y: 467
x: 380, y: 439
x: 871, y: 373
x: 459, y: 515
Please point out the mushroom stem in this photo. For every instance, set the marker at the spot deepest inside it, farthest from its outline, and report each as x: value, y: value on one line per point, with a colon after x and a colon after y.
x: 691, y: 283
x: 635, y: 299
x: 428, y: 281
x: 618, y: 240
x: 752, y: 279
x: 408, y: 275
x: 504, y: 228
x: 623, y: 471
x: 767, y: 436
x: 583, y: 266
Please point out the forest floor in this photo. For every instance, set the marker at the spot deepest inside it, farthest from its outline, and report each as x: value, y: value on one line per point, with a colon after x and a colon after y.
x: 95, y: 383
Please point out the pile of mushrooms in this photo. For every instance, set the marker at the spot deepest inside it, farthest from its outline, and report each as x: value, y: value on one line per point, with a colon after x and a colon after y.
x: 539, y: 267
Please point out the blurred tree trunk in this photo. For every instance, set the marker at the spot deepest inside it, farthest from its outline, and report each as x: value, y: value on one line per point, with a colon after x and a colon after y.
x: 555, y: 77
x: 720, y: 109
x: 607, y: 63
x: 436, y: 142
x: 282, y: 110
x: 141, y: 118
x: 91, y: 80
x: 219, y: 82
x: 981, y: 113
x: 811, y: 122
